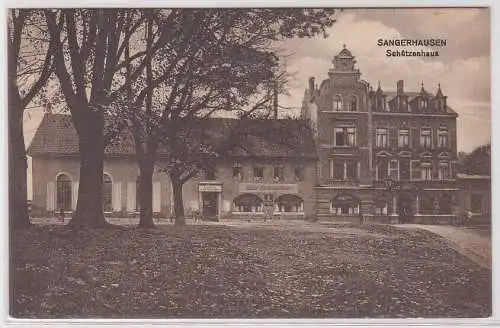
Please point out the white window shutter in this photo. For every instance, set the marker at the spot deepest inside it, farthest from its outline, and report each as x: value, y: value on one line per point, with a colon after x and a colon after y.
x: 131, y: 196
x: 117, y: 196
x: 51, y: 196
x: 157, y: 197
x: 74, y: 191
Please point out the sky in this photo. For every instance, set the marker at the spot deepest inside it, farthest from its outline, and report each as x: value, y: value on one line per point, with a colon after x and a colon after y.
x: 462, y: 67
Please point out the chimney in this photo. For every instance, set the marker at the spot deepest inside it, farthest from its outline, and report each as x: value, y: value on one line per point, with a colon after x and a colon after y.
x: 311, y: 84
x: 275, y: 101
x: 400, y: 87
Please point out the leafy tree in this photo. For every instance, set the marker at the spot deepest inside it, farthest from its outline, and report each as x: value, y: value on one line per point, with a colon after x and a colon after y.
x: 216, y: 61
x: 478, y: 161
x: 89, y: 52
x: 29, y: 68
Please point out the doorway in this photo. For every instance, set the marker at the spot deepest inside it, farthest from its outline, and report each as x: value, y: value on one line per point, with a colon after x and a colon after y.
x: 210, y: 209
x: 405, y: 208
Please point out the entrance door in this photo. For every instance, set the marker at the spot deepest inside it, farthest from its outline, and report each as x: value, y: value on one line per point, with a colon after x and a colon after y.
x: 210, y: 205
x: 405, y: 208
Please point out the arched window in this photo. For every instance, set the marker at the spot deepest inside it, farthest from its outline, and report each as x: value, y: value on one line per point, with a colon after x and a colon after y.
x: 289, y: 203
x: 107, y: 193
x: 427, y: 204
x: 247, y: 203
x: 337, y: 103
x: 381, y: 207
x: 344, y: 205
x: 63, y: 192
x: 353, y: 104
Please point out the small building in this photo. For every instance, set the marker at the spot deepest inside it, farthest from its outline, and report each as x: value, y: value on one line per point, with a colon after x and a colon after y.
x: 475, y: 195
x: 260, y: 176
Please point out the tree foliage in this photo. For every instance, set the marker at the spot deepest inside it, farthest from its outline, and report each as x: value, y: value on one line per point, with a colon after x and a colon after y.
x: 216, y: 61
x: 478, y: 161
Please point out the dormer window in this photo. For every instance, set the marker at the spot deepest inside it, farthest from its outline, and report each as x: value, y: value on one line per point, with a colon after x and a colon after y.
x: 337, y: 103
x: 423, y: 103
x: 403, y: 105
x: 440, y: 105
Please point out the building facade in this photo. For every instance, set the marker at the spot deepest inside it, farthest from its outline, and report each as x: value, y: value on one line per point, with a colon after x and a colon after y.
x: 382, y: 154
x: 266, y: 179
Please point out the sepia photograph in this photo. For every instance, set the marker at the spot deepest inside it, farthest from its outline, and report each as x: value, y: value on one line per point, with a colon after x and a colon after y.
x: 249, y: 163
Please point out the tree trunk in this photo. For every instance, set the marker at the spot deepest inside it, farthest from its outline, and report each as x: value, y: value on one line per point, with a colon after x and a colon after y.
x: 18, y: 193
x: 178, y: 202
x: 146, y: 169
x: 89, y: 208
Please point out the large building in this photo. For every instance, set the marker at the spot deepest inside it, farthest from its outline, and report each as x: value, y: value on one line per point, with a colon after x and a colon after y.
x: 381, y: 153
x: 373, y: 154
x: 261, y: 175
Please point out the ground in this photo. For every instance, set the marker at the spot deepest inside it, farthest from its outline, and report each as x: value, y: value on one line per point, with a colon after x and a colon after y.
x: 244, y: 270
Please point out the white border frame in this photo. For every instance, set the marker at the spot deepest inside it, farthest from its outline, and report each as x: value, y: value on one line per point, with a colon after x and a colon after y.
x: 495, y: 135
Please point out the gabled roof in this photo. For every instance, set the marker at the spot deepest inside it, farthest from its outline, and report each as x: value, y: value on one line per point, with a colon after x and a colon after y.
x: 56, y: 136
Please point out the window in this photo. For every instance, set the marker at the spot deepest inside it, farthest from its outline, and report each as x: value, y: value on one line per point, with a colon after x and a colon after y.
x: 403, y: 105
x: 247, y: 203
x: 443, y: 171
x: 381, y: 135
x: 423, y: 104
x: 476, y: 201
x: 344, y: 137
x: 107, y: 193
x: 443, y: 137
x: 344, y: 205
x: 415, y: 170
x: 440, y: 105
x: 426, y: 170
x: 381, y: 208
x: 337, y: 103
x: 258, y: 172
x: 299, y: 172
x: 351, y: 170
x: 394, y: 169
x: 344, y: 170
x: 279, y: 172
x: 237, y: 171
x: 63, y: 186
x: 353, y: 104
x: 404, y: 138
x: 382, y: 104
x: 426, y: 138
x: 382, y: 170
x: 337, y: 170
x: 289, y: 204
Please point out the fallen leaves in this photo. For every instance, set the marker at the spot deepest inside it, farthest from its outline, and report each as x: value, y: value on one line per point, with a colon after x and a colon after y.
x: 225, y: 272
